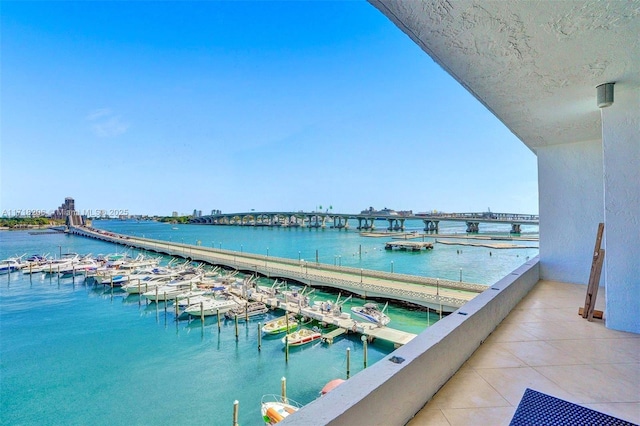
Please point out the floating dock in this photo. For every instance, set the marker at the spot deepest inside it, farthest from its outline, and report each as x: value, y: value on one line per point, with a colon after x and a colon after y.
x: 343, y: 322
x: 330, y: 336
x: 408, y: 245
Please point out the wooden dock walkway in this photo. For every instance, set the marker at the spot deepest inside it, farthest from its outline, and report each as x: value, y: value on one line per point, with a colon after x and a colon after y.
x: 330, y: 336
x: 343, y: 321
x: 436, y: 294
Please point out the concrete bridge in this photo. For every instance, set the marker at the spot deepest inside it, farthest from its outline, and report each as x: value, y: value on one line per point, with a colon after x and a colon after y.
x: 437, y: 294
x: 366, y: 220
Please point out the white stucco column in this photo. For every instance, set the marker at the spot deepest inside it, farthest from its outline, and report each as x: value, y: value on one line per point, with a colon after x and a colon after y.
x: 621, y: 159
x: 570, y: 200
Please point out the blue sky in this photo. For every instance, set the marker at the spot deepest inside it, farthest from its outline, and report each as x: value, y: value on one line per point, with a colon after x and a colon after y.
x: 154, y: 107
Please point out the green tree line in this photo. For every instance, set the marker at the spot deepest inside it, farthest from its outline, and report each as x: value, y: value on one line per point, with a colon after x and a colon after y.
x: 23, y: 222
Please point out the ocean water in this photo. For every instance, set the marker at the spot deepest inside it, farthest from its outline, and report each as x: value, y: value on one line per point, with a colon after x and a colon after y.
x: 75, y: 353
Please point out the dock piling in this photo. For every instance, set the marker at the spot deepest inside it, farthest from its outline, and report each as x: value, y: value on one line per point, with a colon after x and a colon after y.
x: 348, y: 363
x: 235, y: 412
x: 286, y: 348
x: 283, y: 382
x: 259, y: 337
x: 236, y: 320
x: 364, y: 349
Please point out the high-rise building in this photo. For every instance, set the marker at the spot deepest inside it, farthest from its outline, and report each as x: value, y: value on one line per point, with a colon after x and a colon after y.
x: 67, y: 208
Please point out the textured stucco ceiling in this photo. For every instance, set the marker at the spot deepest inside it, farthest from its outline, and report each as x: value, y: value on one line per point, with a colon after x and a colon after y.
x: 534, y: 64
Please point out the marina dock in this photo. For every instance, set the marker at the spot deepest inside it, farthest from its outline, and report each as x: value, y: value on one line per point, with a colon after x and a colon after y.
x: 437, y: 294
x: 343, y: 322
x: 408, y: 245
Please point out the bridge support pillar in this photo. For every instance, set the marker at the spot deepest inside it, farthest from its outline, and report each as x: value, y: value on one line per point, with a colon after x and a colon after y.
x: 366, y: 223
x: 432, y: 225
x: 473, y: 227
x: 515, y: 228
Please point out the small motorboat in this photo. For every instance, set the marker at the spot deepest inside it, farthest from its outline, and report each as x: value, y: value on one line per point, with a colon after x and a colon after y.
x: 370, y: 312
x: 275, y: 408
x: 247, y: 310
x: 280, y: 325
x: 210, y: 308
x: 302, y: 337
x: 10, y: 265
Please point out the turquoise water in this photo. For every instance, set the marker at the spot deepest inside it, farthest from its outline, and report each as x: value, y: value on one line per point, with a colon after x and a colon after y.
x: 74, y: 353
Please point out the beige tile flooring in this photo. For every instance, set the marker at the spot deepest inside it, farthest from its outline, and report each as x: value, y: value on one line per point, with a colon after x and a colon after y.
x: 544, y: 345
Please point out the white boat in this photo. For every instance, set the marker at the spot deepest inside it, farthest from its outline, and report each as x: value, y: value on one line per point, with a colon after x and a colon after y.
x: 275, y: 408
x: 280, y: 325
x: 145, y: 284
x: 184, y: 302
x: 34, y: 261
x: 170, y: 291
x: 370, y: 312
x: 211, y: 307
x: 54, y: 265
x: 302, y: 337
x: 79, y: 267
x: 148, y: 278
x: 10, y: 265
x: 247, y: 310
x: 140, y: 262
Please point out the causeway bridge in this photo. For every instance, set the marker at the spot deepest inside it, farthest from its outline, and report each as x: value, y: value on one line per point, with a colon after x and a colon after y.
x: 366, y: 220
x: 436, y: 294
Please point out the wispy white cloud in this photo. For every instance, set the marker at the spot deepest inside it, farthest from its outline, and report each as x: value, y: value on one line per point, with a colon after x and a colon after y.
x: 105, y: 123
x: 98, y: 113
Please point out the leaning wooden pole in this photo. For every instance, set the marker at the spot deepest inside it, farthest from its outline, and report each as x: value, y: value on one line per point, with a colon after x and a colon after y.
x: 594, y: 276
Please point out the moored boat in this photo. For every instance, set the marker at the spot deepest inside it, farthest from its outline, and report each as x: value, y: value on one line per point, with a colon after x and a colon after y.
x: 302, y: 337
x: 34, y: 261
x: 370, y: 312
x: 280, y: 325
x: 247, y: 310
x: 211, y: 307
x: 143, y: 285
x: 275, y: 408
x: 10, y: 265
x: 172, y: 289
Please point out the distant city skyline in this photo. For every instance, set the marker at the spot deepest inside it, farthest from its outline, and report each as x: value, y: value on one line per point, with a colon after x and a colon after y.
x: 162, y: 107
